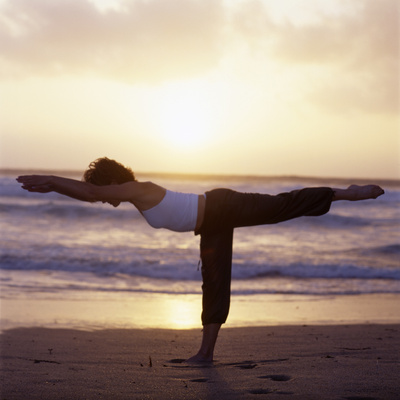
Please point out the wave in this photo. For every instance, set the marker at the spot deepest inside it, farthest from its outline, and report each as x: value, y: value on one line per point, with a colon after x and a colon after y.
x: 81, y: 211
x: 50, y: 209
x: 391, y: 249
x: 335, y: 221
x: 325, y: 271
x: 181, y: 270
x: 351, y: 250
x: 13, y: 284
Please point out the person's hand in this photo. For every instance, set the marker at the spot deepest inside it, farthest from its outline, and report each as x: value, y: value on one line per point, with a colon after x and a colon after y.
x: 36, y: 183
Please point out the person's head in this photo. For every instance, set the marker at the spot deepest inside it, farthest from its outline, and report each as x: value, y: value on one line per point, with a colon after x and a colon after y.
x: 104, y: 171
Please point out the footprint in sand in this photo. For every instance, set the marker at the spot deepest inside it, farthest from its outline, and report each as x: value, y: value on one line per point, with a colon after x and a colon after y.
x: 260, y: 391
x: 177, y: 360
x: 268, y: 391
x: 360, y: 398
x: 276, y: 378
x: 246, y: 366
x: 181, y: 363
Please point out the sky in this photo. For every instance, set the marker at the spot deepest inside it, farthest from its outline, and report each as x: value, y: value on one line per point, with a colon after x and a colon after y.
x: 249, y: 87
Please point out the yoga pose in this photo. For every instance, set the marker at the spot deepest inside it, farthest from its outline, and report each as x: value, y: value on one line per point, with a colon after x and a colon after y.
x: 212, y: 215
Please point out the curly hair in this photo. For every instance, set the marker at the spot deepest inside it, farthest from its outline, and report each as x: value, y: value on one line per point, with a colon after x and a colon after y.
x: 104, y: 171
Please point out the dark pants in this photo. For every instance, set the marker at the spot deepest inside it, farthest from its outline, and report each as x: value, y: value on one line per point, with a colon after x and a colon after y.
x: 226, y: 210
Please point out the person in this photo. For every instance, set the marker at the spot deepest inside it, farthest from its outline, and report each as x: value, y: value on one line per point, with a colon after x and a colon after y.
x: 213, y: 215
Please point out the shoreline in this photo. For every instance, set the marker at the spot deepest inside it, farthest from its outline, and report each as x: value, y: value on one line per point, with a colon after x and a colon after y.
x: 164, y: 311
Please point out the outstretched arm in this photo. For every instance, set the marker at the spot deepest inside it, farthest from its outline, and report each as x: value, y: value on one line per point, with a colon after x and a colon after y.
x: 76, y: 189
x: 48, y: 183
x: 355, y: 193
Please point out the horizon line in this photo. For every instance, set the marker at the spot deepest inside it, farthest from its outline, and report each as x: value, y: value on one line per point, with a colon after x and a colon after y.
x: 199, y: 175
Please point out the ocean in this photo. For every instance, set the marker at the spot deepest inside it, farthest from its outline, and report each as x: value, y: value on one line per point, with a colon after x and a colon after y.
x: 53, y: 246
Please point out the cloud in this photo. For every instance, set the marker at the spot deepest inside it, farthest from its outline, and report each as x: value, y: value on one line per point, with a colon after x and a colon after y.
x: 349, y: 58
x: 360, y: 55
x: 144, y: 40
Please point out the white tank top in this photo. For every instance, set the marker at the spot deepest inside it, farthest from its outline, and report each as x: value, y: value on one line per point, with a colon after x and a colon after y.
x: 176, y: 211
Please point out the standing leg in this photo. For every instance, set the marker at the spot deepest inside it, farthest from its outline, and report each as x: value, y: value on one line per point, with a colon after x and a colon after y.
x: 206, y: 352
x: 216, y: 257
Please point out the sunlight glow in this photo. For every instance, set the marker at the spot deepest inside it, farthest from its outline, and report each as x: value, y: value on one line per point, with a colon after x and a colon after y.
x: 185, y: 112
x: 107, y: 5
x: 231, y: 87
x: 183, y: 313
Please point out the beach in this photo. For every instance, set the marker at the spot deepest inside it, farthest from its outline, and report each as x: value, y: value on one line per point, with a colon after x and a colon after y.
x: 96, y: 304
x: 355, y: 356
x: 293, y: 362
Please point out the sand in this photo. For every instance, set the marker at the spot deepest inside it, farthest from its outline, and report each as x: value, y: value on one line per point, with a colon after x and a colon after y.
x: 344, y: 347
x: 276, y: 362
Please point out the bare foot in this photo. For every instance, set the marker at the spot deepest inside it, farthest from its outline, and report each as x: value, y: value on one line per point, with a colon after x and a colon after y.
x: 355, y: 192
x: 198, y: 358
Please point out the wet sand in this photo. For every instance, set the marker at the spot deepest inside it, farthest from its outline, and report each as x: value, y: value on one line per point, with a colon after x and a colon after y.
x: 92, y: 310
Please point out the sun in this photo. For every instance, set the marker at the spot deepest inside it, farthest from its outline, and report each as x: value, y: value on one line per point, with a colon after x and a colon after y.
x: 184, y: 114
